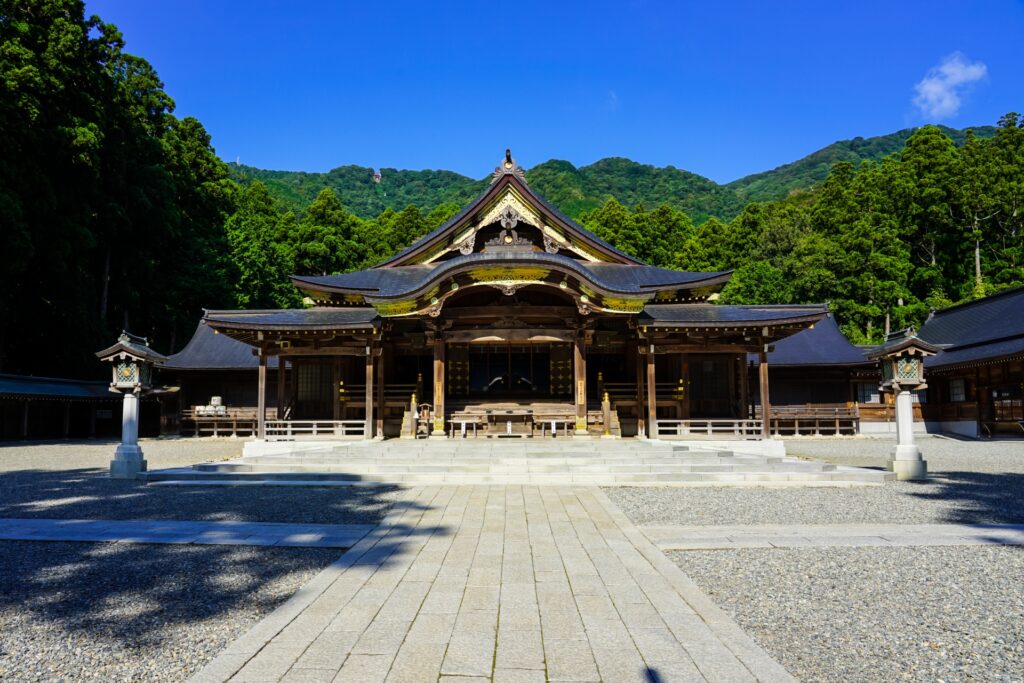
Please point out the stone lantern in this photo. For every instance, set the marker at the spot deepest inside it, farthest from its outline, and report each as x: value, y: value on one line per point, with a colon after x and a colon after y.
x: 901, y: 358
x: 132, y: 364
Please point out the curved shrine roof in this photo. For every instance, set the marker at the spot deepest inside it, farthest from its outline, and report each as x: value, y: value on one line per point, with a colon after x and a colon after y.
x: 407, y: 280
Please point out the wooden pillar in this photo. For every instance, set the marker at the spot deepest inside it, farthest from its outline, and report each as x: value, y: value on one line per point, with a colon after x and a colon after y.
x: 368, y: 425
x: 380, y: 395
x: 744, y: 388
x: 24, y: 419
x: 579, y: 364
x: 336, y: 381
x: 684, y: 375
x: 280, y: 387
x: 67, y: 419
x: 652, y: 395
x: 766, y: 405
x: 92, y: 419
x: 261, y: 398
x: 641, y: 419
x: 439, y: 416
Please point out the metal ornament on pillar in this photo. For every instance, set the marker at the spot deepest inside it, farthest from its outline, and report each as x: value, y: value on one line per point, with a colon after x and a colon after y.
x: 132, y: 364
x: 901, y: 358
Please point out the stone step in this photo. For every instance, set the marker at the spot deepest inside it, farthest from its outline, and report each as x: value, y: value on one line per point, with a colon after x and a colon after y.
x: 682, y: 479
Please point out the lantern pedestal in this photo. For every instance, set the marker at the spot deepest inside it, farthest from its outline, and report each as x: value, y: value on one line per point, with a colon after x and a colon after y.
x: 906, y: 459
x: 128, y: 461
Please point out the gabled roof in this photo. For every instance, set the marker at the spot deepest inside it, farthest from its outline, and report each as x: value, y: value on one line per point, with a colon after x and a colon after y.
x: 506, y: 179
x: 407, y: 280
x: 208, y: 350
x: 294, y: 319
x: 823, y: 344
x: 978, y: 330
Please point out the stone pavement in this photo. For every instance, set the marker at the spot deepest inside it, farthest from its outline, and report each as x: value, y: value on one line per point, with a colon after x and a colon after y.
x: 824, y: 535
x: 498, y: 583
x: 199, y: 533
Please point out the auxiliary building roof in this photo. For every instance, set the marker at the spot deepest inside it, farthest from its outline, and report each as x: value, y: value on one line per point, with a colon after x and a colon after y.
x: 704, y: 315
x: 821, y: 345
x: 208, y: 350
x: 978, y: 330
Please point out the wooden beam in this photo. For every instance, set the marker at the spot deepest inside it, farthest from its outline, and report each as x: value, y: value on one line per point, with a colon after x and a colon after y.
x: 766, y: 404
x: 706, y: 348
x: 261, y: 399
x: 511, y: 335
x: 322, y: 351
x: 522, y: 312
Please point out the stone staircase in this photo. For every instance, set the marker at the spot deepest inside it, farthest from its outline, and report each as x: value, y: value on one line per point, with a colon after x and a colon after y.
x: 600, y: 462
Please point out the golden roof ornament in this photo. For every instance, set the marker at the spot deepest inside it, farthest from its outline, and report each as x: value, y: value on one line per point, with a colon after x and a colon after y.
x: 508, y: 166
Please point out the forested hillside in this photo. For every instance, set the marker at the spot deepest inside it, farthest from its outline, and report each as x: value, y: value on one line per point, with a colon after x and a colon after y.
x: 815, y: 167
x: 116, y: 213
x: 575, y: 190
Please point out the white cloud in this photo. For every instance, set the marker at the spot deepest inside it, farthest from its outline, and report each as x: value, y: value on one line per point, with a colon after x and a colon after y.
x: 939, y: 93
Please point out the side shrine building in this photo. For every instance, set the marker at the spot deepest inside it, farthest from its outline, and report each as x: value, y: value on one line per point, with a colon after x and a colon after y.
x: 508, y: 320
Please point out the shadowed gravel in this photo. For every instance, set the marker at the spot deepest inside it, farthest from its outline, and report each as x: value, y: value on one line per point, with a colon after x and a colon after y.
x: 68, y: 481
x: 115, y: 612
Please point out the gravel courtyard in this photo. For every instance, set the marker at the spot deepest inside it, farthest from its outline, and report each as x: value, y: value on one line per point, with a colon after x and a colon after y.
x: 68, y: 481
x: 125, y: 612
x: 868, y: 614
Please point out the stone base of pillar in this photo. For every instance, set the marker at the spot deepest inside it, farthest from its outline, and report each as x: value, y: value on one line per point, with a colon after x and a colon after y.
x: 128, y: 462
x: 907, y: 463
x: 439, y: 432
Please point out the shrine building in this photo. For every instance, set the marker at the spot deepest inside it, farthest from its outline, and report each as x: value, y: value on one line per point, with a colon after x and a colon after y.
x: 508, y: 320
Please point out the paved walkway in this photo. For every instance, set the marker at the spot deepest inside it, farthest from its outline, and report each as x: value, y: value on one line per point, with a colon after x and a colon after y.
x: 499, y: 583
x: 200, y: 533
x: 798, y: 536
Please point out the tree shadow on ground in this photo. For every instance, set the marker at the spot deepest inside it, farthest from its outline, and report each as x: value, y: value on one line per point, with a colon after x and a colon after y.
x: 976, y: 497
x: 88, y: 494
x: 130, y: 593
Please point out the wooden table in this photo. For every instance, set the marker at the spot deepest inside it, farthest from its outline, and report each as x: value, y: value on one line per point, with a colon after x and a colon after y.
x: 508, y: 417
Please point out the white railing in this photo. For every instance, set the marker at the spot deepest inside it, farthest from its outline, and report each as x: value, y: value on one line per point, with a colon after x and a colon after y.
x: 740, y: 429
x: 287, y: 430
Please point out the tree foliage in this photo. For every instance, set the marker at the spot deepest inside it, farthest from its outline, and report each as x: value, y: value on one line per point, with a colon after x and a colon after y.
x: 115, y: 213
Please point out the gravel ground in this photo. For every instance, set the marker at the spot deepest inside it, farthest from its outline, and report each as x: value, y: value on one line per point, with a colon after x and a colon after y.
x: 119, y: 612
x: 875, y: 614
x: 974, y: 482
x: 944, y: 454
x: 68, y: 481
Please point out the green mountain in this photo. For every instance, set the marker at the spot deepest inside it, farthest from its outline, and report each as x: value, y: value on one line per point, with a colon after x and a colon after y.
x: 813, y: 168
x: 575, y: 190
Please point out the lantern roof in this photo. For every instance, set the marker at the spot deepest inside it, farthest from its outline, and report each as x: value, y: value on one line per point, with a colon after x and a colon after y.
x: 904, y: 341
x: 131, y: 346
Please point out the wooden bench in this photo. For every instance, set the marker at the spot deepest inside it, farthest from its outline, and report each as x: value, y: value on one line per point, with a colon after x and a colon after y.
x: 554, y: 421
x: 464, y: 420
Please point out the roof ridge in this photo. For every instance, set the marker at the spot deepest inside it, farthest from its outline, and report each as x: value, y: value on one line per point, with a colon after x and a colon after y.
x: 984, y: 299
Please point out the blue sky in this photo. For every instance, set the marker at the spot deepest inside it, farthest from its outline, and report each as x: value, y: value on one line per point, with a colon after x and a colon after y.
x: 718, y: 88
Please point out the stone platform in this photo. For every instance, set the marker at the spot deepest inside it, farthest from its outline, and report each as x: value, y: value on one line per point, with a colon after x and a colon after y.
x: 596, y: 462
